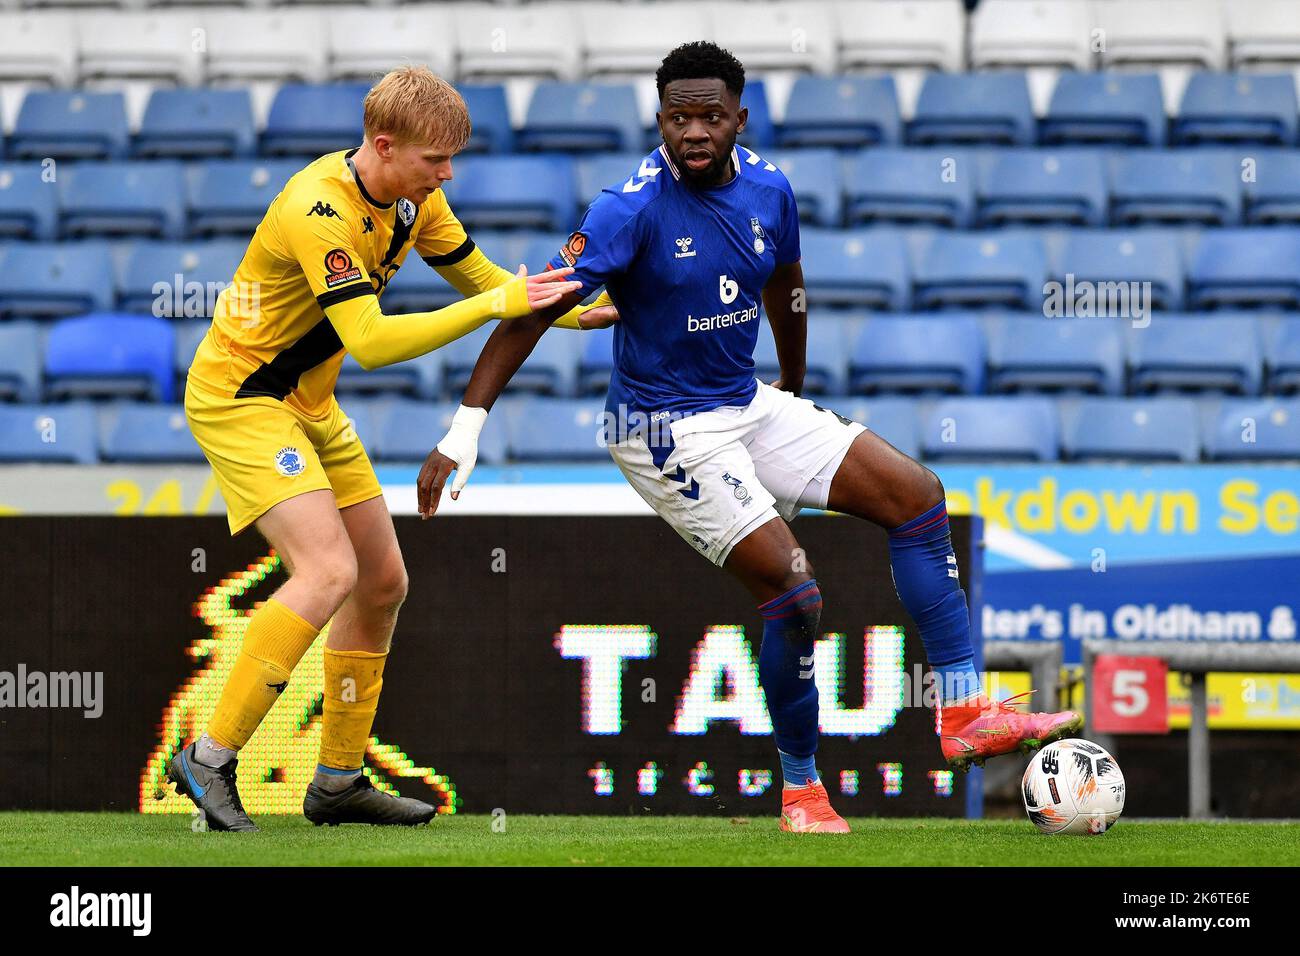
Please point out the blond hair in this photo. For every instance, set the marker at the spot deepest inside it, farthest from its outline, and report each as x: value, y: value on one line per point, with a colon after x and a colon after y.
x: 414, y: 105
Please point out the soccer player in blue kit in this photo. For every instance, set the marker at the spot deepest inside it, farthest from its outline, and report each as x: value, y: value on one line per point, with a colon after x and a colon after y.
x: 687, y: 247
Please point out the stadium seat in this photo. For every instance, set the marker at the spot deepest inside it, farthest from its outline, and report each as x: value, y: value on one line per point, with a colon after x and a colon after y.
x: 629, y: 40
x: 460, y: 356
x: 1132, y: 429
x: 1050, y: 33
x: 841, y: 111
x: 1246, y: 268
x: 531, y: 192
x: 534, y: 249
x: 1158, y: 32
x: 1282, y: 356
x: 857, y: 268
x: 893, y: 419
x: 827, y: 348
x: 311, y: 120
x: 596, y: 173
x: 189, y: 333
x: 595, y: 362
x: 990, y: 108
x: 760, y: 130
x: 1183, y: 353
x: 581, y: 117
x: 1178, y: 186
x: 487, y: 105
x: 980, y: 271
x: 145, y: 198
x: 1253, y: 429
x: 143, y: 434
x: 1273, y: 191
x: 918, y: 354
x: 1028, y: 354
x: 1044, y: 187
x: 249, y: 45
x: 407, y: 431
x: 20, y: 362
x: 420, y: 377
x: 34, y: 48
x: 1124, y: 109
x: 911, y: 186
x: 230, y: 197
x: 63, y: 124
x: 110, y: 355
x: 814, y: 175
x: 552, y: 366
x: 1117, y: 256
x: 1263, y: 34
x: 556, y: 429
x: 29, y: 203
x: 1238, y: 108
x: 902, y: 33
x: 173, y: 280
x: 366, y: 41
x: 130, y: 45
x: 50, y: 280
x: 990, y: 428
x: 62, y: 433
x: 494, y: 42
x: 196, y: 124
x: 415, y: 287
x: 776, y: 36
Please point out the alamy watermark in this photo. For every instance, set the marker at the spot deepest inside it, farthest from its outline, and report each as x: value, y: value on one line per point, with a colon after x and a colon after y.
x: 1082, y: 298
x: 78, y: 690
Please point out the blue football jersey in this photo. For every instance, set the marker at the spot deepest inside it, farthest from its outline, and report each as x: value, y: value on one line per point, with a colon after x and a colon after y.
x: 686, y: 268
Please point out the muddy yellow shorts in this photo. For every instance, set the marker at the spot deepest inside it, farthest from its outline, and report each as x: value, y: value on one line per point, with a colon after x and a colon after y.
x: 263, y: 451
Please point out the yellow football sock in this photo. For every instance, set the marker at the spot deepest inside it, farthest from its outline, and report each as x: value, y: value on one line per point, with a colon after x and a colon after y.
x: 275, y: 641
x: 353, y: 680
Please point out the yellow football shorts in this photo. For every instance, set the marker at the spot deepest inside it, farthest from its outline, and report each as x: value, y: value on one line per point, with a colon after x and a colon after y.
x: 263, y: 451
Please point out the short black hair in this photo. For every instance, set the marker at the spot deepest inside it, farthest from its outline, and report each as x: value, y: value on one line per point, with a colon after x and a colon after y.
x: 701, y: 60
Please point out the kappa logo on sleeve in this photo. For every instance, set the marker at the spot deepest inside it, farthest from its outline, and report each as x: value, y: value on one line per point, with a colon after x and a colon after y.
x: 339, y: 268
x: 572, y: 250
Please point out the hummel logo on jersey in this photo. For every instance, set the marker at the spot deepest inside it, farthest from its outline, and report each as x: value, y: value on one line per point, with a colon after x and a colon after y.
x: 323, y: 209
x: 684, y: 250
x: 367, y: 225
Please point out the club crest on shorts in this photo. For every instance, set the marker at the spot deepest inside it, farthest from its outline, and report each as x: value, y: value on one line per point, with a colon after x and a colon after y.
x: 289, y: 462
x: 737, y: 489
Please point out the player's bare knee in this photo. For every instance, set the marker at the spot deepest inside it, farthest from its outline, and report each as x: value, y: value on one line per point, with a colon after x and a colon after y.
x: 930, y: 489
x: 333, y: 574
x: 385, y: 590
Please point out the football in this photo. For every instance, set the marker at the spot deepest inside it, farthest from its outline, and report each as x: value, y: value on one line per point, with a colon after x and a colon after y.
x: 1073, y: 786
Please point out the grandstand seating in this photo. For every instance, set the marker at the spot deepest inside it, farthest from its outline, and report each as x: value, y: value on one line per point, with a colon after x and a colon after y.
x: 1154, y: 430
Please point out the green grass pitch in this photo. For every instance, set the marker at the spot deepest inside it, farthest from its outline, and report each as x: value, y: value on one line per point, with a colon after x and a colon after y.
x: 120, y: 839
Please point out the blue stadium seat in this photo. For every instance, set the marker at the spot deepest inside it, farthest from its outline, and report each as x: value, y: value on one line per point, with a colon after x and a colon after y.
x: 1136, y: 429
x: 990, y: 428
x: 175, y: 280
x: 107, y: 354
x: 991, y: 108
x: 492, y: 132
x: 1030, y: 354
x: 893, y: 419
x: 1254, y: 429
x: 603, y: 171
x: 1114, y: 108
x: 312, y: 119
x: 363, y: 413
x: 1176, y: 186
x: 814, y: 175
x: 416, y: 287
x: 556, y: 429
x: 1246, y: 268
x: 420, y: 377
x: 826, y: 353
x: 934, y: 187
x: 856, y: 268
x: 49, y: 280
x: 1237, y: 108
x: 62, y: 124
x: 1121, y: 256
x: 20, y: 362
x: 459, y: 358
x: 196, y: 124
x: 520, y: 192
x: 980, y: 271
x: 48, y: 433
x: 581, y: 117
x: 1282, y: 356
x: 1044, y: 187
x: 1183, y: 353
x: 229, y: 197
x: 29, y: 205
x: 534, y: 250
x: 911, y: 354
x: 595, y: 362
x: 1273, y: 192
x: 551, y: 368
x: 123, y: 199
x: 841, y: 111
x: 760, y: 130
x: 147, y: 433
x: 189, y: 333
x: 407, y: 431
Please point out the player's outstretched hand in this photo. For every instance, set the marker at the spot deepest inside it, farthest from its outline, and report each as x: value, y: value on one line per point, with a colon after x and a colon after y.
x: 458, y: 452
x: 435, y: 471
x: 547, y: 288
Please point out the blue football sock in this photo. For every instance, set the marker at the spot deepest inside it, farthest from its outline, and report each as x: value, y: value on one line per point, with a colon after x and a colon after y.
x: 785, y: 670
x: 925, y: 577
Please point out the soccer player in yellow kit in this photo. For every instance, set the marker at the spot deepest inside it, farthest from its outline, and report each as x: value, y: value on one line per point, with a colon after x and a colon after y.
x: 260, y: 402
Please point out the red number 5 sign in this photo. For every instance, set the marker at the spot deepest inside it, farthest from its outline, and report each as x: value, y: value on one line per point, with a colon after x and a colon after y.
x: 1129, y: 695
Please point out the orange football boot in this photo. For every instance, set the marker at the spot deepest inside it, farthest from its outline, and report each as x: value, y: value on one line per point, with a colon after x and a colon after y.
x: 974, y: 729
x: 808, y: 810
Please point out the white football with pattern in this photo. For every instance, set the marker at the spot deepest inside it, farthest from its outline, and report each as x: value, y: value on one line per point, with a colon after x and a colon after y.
x: 1073, y: 786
